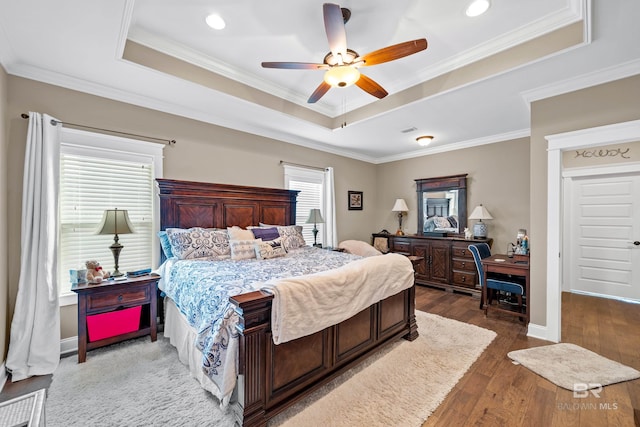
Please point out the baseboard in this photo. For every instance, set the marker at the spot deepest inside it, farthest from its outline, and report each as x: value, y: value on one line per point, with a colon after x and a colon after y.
x: 537, y: 331
x: 3, y: 376
x: 68, y: 346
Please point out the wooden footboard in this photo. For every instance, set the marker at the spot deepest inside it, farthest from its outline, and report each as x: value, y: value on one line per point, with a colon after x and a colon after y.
x: 273, y: 377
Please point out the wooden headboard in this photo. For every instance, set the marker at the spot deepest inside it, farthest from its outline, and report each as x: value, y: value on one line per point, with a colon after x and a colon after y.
x: 437, y: 207
x: 186, y: 204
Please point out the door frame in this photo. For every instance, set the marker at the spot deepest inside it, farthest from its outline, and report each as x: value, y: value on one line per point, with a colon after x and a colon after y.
x: 618, y: 133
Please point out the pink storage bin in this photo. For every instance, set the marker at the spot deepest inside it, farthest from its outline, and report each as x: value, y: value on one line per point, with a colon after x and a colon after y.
x: 114, y: 323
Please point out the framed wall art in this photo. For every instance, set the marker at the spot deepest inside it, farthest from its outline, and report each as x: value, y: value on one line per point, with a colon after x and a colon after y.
x: 355, y: 200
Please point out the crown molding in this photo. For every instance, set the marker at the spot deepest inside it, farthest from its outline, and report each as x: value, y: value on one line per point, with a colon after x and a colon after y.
x: 491, y: 139
x: 583, y: 81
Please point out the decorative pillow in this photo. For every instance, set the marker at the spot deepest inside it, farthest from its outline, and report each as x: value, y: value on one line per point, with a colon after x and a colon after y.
x: 266, y: 233
x: 292, y: 237
x: 198, y: 242
x: 442, y: 222
x: 237, y: 233
x: 165, y: 244
x: 453, y: 221
x: 270, y: 249
x: 243, y: 249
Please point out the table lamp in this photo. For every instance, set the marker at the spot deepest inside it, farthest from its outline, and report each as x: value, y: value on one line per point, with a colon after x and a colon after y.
x: 401, y: 207
x: 115, y: 222
x: 480, y: 228
x: 315, y: 217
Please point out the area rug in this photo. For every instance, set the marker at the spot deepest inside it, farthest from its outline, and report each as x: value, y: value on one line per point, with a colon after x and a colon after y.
x: 566, y: 365
x: 139, y: 383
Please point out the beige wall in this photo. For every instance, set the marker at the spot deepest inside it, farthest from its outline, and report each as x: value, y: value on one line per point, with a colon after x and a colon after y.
x: 4, y: 286
x: 614, y: 102
x: 497, y: 177
x: 203, y: 153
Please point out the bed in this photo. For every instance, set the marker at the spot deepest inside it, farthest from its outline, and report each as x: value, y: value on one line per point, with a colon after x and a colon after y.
x: 271, y: 377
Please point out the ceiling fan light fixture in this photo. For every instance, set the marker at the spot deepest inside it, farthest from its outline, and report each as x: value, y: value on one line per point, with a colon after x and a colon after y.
x: 341, y: 76
x: 424, y: 140
x: 215, y: 21
x: 477, y: 8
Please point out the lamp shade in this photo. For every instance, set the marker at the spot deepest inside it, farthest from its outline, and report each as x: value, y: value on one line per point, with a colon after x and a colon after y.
x: 315, y: 217
x: 400, y: 206
x: 480, y: 212
x: 115, y: 221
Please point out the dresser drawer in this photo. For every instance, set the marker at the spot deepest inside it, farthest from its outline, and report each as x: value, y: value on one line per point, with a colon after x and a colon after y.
x: 401, y: 245
x: 461, y: 278
x: 133, y: 296
x: 464, y: 265
x: 461, y: 251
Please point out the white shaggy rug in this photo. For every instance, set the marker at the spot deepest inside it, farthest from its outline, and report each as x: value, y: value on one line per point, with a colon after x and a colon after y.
x: 139, y: 383
x: 567, y: 364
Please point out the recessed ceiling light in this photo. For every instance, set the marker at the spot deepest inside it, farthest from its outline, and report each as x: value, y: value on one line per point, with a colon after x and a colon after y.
x: 424, y: 140
x: 477, y: 7
x: 215, y: 21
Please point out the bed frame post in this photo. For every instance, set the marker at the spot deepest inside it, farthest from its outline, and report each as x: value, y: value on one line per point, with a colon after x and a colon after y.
x: 254, y: 327
x: 413, y: 325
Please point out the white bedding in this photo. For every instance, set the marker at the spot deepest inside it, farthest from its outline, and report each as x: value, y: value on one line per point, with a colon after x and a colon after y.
x: 307, y: 304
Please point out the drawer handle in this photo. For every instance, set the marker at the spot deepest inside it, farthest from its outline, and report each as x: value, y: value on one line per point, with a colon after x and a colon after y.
x: 464, y: 278
x: 120, y: 298
x: 464, y: 263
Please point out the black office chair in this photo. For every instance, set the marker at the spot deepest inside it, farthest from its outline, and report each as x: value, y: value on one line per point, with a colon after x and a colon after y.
x: 493, y: 285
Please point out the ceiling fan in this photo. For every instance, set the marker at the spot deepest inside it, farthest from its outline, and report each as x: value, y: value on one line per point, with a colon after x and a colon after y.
x: 341, y: 64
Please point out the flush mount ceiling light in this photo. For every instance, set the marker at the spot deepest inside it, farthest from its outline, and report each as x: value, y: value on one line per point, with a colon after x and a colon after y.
x: 424, y: 140
x: 215, y: 21
x: 341, y: 76
x: 477, y: 8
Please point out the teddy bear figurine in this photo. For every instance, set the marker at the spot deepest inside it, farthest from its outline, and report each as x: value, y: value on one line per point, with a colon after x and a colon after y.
x: 95, y: 273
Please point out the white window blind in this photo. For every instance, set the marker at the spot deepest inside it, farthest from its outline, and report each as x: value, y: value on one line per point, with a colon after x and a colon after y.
x: 91, y: 181
x: 310, y: 183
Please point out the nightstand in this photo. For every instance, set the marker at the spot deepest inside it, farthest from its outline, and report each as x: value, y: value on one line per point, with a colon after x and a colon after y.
x: 108, y: 307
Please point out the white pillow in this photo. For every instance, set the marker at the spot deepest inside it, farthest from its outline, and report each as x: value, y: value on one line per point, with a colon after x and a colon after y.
x: 270, y: 249
x: 291, y: 237
x: 243, y: 249
x: 198, y: 242
x: 237, y: 233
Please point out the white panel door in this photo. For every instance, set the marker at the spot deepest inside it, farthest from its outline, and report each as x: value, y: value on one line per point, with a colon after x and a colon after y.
x: 604, y: 227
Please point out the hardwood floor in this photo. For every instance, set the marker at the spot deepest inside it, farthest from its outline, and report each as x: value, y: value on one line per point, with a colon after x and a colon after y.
x: 495, y: 392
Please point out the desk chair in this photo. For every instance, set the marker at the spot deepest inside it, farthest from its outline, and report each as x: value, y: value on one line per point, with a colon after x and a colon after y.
x: 493, y: 285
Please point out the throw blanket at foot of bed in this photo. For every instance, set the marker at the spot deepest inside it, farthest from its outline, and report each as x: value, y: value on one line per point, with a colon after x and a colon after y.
x: 307, y: 304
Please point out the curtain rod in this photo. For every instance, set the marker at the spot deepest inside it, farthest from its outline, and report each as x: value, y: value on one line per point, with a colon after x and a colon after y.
x: 57, y: 122
x: 282, y: 162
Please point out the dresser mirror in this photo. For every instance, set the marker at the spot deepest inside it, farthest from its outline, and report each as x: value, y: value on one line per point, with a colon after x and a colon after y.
x: 442, y: 205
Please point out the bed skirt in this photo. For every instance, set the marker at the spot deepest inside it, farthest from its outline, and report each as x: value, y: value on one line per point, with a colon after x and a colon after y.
x: 182, y: 336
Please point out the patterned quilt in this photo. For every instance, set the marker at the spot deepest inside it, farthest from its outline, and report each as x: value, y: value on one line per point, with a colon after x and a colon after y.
x: 201, y: 290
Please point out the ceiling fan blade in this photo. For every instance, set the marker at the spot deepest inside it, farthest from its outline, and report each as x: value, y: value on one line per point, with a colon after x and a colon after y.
x: 394, y: 52
x: 295, y: 65
x: 334, y: 27
x: 368, y: 85
x: 319, y: 92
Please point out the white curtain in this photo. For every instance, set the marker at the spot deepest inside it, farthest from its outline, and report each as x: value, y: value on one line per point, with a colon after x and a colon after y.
x: 34, y: 347
x: 330, y: 209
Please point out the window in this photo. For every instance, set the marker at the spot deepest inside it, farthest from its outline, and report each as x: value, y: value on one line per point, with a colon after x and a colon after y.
x: 312, y: 184
x: 99, y: 172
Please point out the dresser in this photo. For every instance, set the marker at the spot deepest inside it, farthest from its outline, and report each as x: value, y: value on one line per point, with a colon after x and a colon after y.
x: 446, y: 262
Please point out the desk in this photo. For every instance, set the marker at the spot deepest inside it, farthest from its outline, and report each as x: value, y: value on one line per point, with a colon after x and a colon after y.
x: 516, y: 266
